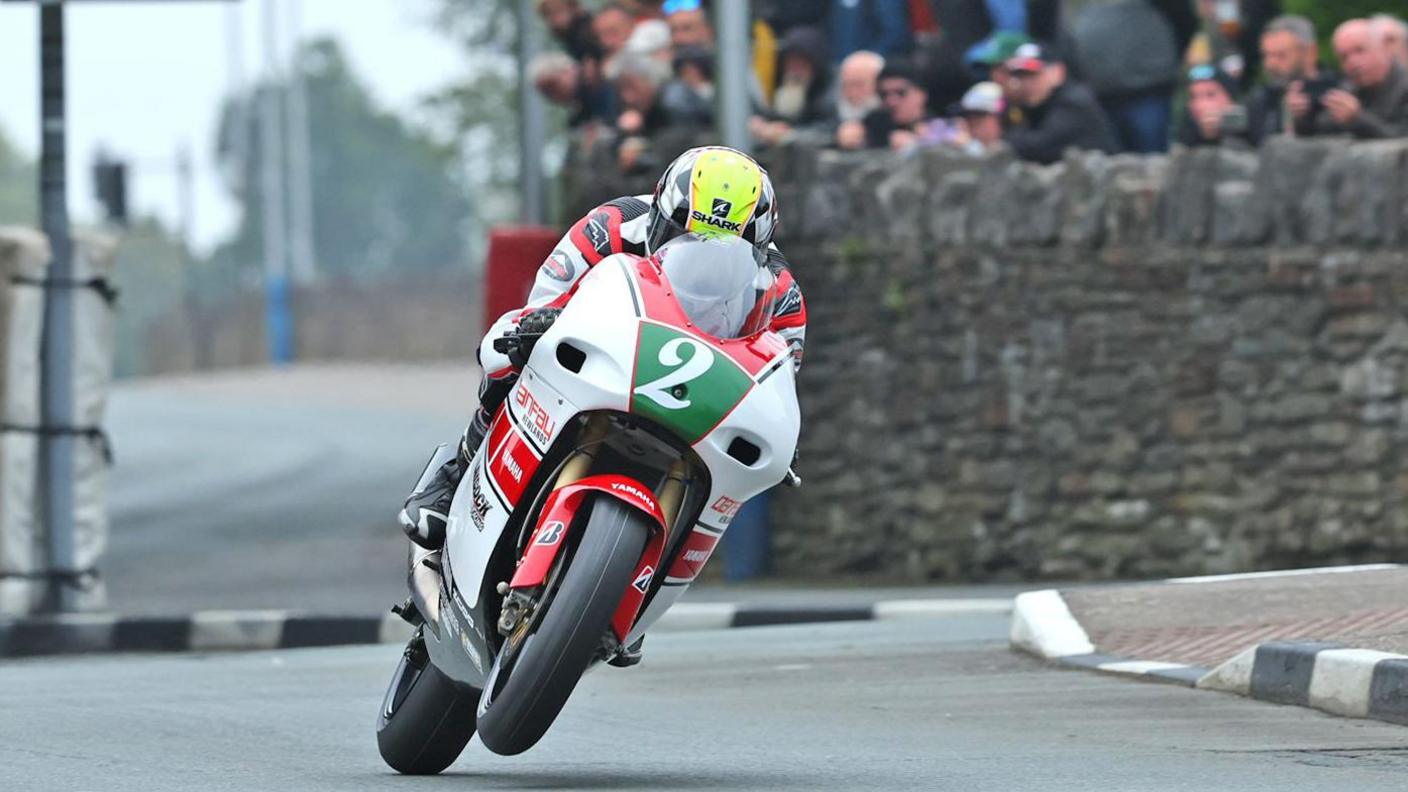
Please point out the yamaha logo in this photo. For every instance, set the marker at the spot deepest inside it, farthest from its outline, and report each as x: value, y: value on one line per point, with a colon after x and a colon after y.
x: 721, y: 208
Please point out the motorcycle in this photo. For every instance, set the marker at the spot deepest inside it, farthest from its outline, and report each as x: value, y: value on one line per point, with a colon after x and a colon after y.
x: 652, y: 409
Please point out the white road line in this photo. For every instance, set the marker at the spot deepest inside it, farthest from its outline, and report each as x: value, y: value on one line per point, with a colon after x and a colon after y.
x: 1286, y: 573
x: 921, y: 608
x: 1138, y: 666
x: 1043, y: 625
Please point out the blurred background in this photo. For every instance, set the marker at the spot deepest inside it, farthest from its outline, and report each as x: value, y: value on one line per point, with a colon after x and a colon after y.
x: 368, y: 151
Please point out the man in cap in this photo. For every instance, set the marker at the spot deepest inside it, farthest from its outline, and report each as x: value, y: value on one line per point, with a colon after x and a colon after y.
x: 980, y: 118
x: 1059, y: 113
x: 1212, y: 116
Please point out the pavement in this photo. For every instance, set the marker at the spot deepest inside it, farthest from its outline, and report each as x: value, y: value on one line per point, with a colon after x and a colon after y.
x: 1335, y: 639
x: 937, y: 704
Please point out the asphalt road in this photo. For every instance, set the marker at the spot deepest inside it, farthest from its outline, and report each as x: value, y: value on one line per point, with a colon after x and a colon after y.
x: 272, y: 489
x: 915, y: 705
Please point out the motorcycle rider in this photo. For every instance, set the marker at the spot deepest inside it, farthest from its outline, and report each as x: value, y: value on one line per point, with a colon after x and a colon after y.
x: 710, y: 190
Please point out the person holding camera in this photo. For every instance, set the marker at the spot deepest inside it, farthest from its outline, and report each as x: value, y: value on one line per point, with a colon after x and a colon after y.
x: 1212, y: 116
x: 1289, y: 55
x: 1373, y: 102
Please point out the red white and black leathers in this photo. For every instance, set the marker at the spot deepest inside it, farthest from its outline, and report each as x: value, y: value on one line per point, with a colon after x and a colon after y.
x: 617, y: 226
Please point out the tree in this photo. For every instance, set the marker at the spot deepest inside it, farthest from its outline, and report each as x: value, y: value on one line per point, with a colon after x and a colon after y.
x: 19, y: 186
x: 1328, y: 16
x: 481, y: 108
x: 388, y: 198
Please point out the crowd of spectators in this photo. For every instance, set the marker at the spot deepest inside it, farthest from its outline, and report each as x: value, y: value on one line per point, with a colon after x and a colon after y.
x: 1037, y: 76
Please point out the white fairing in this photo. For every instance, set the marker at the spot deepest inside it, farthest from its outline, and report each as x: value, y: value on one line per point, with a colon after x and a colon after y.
x: 603, y: 320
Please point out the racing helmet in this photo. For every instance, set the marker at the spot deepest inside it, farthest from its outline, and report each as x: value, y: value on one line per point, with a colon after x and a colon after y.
x: 713, y: 191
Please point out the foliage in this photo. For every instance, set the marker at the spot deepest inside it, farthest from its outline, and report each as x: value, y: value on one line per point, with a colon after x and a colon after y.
x: 1327, y: 16
x: 151, y: 273
x: 481, y: 107
x: 18, y: 186
x: 387, y: 198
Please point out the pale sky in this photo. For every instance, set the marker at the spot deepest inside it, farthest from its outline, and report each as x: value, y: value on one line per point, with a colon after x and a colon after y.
x: 145, y: 78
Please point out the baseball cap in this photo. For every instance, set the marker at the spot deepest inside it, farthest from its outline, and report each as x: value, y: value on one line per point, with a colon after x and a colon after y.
x: 998, y: 48
x: 985, y: 97
x: 1032, y: 57
x: 1205, y: 72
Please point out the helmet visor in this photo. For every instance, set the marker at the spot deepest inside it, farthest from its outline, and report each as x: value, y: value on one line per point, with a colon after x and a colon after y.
x: 719, y: 282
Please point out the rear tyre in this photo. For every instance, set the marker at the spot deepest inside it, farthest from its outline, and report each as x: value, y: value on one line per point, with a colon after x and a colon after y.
x: 530, y: 682
x: 426, y: 718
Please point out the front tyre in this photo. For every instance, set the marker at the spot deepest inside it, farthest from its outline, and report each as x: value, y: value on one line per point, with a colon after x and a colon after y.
x: 426, y: 718
x: 530, y: 682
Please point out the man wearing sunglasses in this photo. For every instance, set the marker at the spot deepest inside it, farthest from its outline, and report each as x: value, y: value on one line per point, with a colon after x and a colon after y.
x: 1059, y: 114
x: 903, y: 121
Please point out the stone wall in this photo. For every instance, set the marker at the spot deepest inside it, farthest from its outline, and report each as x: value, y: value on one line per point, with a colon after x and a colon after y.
x: 425, y: 318
x: 1109, y: 367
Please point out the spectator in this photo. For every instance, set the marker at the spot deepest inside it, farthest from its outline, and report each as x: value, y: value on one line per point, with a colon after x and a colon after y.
x: 639, y: 79
x: 1289, y: 54
x: 1374, y: 101
x: 612, y: 26
x: 880, y: 26
x: 571, y: 25
x: 990, y: 61
x: 966, y: 31
x: 902, y: 122
x: 559, y: 78
x: 1059, y: 114
x: 651, y: 37
x: 1394, y: 33
x: 689, y: 25
x: 858, y: 96
x: 1131, y: 51
x: 1212, y: 116
x: 783, y: 15
x: 803, y: 95
x: 980, y: 118
x: 856, y: 93
x: 689, y: 97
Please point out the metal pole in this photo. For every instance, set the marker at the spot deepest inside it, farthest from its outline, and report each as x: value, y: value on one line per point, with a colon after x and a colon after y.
x: 731, y: 20
x: 532, y: 119
x: 302, y: 250
x: 278, y: 321
x: 57, y: 447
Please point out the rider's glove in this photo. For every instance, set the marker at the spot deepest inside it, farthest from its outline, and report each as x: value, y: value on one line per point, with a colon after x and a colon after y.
x: 518, y: 342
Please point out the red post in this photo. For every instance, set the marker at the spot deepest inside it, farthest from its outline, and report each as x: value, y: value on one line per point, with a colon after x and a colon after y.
x: 515, y: 254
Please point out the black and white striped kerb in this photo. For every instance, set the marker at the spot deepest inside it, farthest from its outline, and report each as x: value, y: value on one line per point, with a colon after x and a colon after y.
x: 1358, y: 683
x: 205, y: 630
x: 248, y: 630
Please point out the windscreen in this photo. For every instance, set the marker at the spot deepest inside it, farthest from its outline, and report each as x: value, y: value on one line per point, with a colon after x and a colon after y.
x: 719, y: 283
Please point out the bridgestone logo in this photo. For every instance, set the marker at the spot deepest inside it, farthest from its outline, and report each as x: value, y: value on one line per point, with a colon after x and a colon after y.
x: 727, y: 225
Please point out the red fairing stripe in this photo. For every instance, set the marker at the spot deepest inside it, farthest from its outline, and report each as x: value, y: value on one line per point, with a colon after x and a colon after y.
x: 695, y: 553
x: 646, y: 572
x: 512, y: 466
x: 562, y: 506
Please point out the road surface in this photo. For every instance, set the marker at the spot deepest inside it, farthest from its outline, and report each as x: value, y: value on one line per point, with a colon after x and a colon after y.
x: 913, y: 705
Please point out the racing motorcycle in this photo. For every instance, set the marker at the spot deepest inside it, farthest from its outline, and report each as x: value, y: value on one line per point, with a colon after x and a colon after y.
x: 652, y: 409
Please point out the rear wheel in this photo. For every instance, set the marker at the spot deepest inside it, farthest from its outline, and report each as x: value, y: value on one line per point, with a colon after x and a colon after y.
x: 426, y: 718
x: 534, y: 674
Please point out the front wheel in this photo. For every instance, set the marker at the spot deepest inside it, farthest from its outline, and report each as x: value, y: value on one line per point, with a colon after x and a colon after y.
x: 426, y: 718
x: 532, y: 678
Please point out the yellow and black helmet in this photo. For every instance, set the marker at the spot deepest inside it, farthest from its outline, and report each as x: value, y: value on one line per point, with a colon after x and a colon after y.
x: 713, y: 191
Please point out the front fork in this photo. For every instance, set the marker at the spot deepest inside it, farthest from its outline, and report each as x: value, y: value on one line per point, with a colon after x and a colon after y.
x: 522, y: 594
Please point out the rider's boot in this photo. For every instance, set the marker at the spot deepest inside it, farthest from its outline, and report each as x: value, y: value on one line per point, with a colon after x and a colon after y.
x: 427, y: 510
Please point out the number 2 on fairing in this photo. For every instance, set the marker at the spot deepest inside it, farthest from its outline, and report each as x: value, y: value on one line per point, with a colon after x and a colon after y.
x: 696, y: 366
